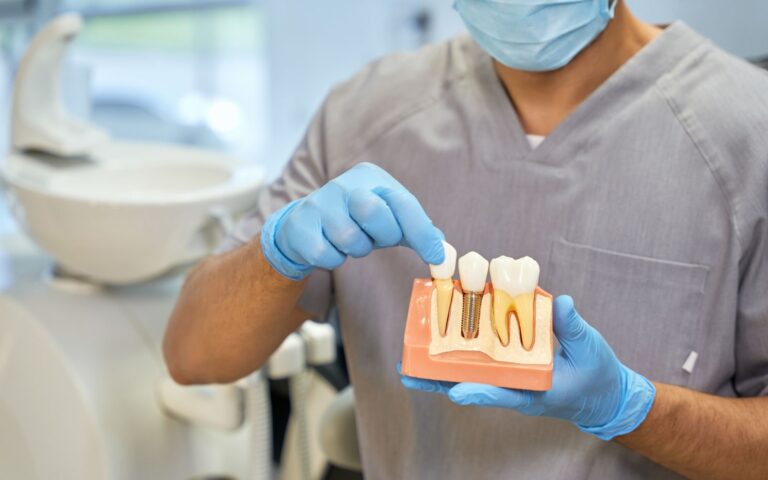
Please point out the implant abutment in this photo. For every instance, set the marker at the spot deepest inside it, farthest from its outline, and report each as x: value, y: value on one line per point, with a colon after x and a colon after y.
x: 473, y: 271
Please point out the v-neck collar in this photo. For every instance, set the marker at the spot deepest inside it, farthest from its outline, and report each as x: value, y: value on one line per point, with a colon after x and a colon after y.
x: 638, y: 74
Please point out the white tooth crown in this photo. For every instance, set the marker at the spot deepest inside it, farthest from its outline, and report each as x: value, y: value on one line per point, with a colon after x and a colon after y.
x: 473, y: 271
x: 515, y: 277
x: 448, y: 267
x: 501, y: 268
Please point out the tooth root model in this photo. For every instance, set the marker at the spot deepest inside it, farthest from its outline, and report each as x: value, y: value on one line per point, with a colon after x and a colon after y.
x: 473, y: 270
x: 514, y: 285
x: 442, y: 277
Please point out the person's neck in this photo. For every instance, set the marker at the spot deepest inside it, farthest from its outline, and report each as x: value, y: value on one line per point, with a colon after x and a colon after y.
x: 544, y: 100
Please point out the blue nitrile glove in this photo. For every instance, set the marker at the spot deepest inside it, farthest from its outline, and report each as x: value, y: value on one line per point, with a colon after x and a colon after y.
x: 358, y: 211
x: 590, y: 386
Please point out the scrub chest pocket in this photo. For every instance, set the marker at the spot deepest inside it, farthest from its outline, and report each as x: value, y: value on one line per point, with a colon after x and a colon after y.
x: 647, y: 309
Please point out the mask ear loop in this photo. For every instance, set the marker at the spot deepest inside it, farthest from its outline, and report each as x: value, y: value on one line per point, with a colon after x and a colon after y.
x: 610, y: 10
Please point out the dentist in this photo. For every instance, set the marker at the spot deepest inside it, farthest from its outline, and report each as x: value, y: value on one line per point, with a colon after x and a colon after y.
x: 632, y: 161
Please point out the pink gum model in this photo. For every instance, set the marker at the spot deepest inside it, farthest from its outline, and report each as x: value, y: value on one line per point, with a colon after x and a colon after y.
x: 458, y: 365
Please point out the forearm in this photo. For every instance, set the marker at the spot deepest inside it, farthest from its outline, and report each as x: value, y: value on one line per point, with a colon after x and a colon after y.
x: 704, y: 436
x: 233, y: 312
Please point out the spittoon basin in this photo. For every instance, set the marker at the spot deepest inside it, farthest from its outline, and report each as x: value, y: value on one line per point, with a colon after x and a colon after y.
x: 131, y: 211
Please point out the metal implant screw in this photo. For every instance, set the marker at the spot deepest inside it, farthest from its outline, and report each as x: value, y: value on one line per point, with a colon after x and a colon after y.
x: 470, y: 315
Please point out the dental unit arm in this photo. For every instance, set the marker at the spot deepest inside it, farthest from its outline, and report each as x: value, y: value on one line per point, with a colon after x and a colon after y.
x: 228, y: 407
x: 39, y: 121
x: 505, y: 341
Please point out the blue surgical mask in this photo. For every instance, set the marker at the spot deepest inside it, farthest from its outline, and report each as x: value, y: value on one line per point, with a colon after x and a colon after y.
x: 535, y: 35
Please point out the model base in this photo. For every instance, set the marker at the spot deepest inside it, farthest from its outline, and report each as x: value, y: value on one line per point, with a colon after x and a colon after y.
x: 428, y: 354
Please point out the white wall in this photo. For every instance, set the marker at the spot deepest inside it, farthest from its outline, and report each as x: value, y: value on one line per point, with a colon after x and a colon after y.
x: 740, y: 26
x: 312, y: 45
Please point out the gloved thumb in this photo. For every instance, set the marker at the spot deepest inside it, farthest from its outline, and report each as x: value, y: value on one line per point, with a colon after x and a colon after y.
x: 489, y: 396
x: 568, y: 324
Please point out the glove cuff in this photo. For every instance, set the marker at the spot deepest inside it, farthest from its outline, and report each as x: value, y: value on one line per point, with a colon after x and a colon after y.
x: 277, y: 259
x: 639, y: 394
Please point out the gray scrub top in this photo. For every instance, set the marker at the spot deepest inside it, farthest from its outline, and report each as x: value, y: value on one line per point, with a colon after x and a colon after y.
x: 649, y: 205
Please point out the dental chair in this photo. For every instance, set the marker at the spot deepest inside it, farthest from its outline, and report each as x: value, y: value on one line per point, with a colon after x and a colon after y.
x: 322, y: 429
x: 77, y: 354
x: 309, y: 433
x: 338, y: 432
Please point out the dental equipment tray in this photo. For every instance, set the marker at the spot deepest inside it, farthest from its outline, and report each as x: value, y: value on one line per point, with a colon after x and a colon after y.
x: 428, y: 354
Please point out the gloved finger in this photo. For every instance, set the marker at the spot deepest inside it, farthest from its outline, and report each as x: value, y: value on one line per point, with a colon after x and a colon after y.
x: 322, y: 254
x: 375, y: 218
x: 346, y: 235
x: 423, y: 385
x: 292, y: 227
x: 568, y: 324
x: 283, y: 243
x: 418, y: 231
x: 328, y: 207
x: 577, y: 338
x: 481, y: 395
x: 302, y: 240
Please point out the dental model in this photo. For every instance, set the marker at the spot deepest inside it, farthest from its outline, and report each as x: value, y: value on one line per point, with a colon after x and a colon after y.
x: 474, y: 337
x: 514, y: 286
x: 473, y: 270
x: 442, y: 277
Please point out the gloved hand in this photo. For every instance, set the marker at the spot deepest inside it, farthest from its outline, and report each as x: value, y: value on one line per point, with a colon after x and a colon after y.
x: 590, y: 386
x: 358, y: 211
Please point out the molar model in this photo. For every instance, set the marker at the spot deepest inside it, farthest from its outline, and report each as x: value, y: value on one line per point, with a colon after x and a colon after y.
x: 514, y: 288
x: 499, y: 333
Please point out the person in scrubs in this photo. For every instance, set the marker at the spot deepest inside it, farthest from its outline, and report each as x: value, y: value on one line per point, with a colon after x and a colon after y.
x: 631, y: 161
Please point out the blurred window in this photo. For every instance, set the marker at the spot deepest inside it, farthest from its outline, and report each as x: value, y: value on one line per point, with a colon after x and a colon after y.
x: 135, y: 5
x: 243, y: 76
x: 187, y: 72
x: 12, y: 7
